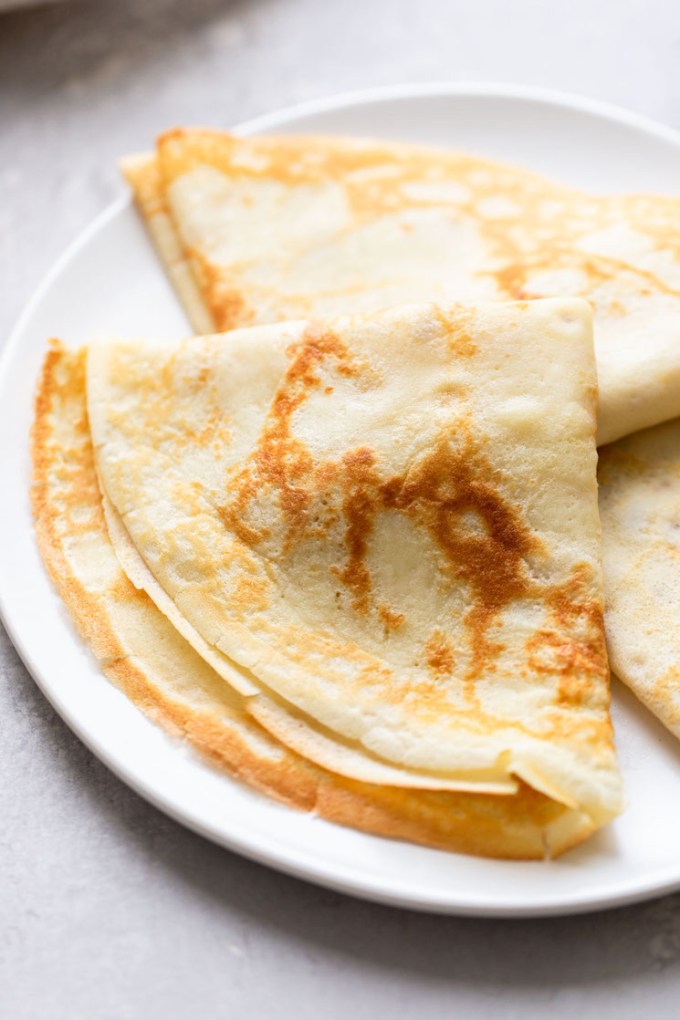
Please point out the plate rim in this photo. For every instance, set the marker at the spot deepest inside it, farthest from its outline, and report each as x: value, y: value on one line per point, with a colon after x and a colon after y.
x: 468, y: 87
x: 299, y: 864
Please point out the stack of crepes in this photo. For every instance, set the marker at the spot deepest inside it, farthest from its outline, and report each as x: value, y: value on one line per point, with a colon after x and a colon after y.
x: 349, y: 547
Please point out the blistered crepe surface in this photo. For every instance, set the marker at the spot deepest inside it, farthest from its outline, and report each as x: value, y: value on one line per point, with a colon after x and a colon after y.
x: 400, y: 540
x: 142, y: 653
x: 640, y: 510
x: 263, y: 229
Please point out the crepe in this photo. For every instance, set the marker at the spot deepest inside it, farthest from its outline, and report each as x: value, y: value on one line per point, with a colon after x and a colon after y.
x: 255, y: 230
x: 383, y: 533
x: 640, y: 510
x: 142, y: 653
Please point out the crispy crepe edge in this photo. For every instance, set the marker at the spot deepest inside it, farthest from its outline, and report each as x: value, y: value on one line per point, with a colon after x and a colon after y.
x: 142, y: 174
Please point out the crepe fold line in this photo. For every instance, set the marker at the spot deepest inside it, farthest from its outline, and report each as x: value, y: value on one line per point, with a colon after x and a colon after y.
x: 640, y: 511
x: 143, y: 654
x: 255, y: 230
x: 366, y: 529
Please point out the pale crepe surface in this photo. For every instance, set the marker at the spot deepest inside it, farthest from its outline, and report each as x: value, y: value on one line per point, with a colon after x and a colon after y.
x: 256, y: 230
x: 140, y: 651
x: 640, y: 511
x: 312, y: 557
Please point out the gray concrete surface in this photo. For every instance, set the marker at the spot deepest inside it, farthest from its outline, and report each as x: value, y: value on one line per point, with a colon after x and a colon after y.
x: 109, y: 910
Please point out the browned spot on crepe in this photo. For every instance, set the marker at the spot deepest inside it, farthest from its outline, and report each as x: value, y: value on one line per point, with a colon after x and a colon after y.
x: 437, y: 491
x: 439, y: 654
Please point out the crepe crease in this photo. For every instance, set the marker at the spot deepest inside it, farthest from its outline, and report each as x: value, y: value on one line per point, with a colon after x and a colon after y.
x: 256, y: 230
x: 142, y: 652
x: 364, y: 527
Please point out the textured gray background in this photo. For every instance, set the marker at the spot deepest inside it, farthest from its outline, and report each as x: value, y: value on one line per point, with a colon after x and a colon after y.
x: 108, y: 910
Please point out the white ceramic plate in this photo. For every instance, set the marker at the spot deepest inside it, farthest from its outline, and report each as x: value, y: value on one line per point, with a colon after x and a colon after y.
x: 110, y: 281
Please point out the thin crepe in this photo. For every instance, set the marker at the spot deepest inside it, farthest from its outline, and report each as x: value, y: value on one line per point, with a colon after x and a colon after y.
x: 256, y: 230
x: 383, y: 533
x: 139, y: 650
x: 640, y: 511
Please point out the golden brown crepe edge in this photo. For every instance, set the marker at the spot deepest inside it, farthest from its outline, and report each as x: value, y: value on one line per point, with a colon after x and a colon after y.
x: 141, y: 173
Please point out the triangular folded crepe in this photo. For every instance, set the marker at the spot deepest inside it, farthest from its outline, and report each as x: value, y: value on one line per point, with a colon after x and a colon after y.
x: 142, y: 653
x: 640, y: 511
x: 256, y: 230
x: 383, y: 533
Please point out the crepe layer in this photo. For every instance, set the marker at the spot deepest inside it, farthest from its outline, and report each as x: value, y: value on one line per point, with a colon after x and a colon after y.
x: 256, y: 230
x: 383, y: 533
x: 143, y: 654
x: 640, y: 511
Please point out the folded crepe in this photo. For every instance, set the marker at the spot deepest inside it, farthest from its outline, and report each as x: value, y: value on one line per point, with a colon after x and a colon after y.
x: 382, y: 532
x: 640, y: 511
x: 141, y: 652
x: 256, y: 230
